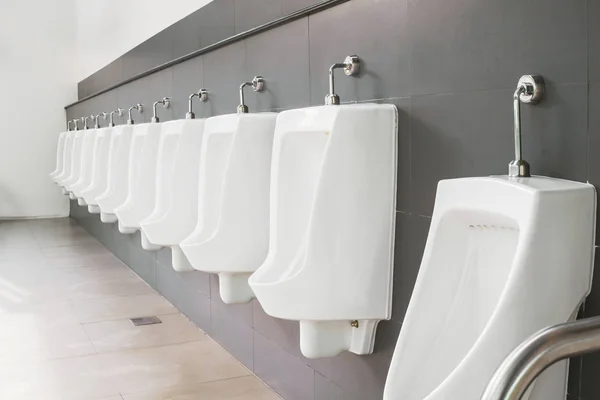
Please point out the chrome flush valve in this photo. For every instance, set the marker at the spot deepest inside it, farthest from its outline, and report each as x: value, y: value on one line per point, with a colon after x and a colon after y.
x: 84, y: 120
x: 165, y: 102
x: 530, y: 90
x: 119, y: 112
x: 139, y: 108
x: 351, y: 67
x: 75, y: 121
x: 96, y: 117
x: 68, y: 126
x: 202, y: 95
x: 258, y: 85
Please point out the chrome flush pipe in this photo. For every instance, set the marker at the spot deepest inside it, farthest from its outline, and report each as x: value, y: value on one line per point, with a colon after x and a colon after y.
x: 85, y: 124
x: 96, y: 117
x: 75, y: 121
x: 351, y: 67
x: 68, y: 126
x: 119, y: 112
x: 258, y: 85
x: 530, y: 90
x: 139, y: 108
x: 165, y: 102
x: 202, y: 95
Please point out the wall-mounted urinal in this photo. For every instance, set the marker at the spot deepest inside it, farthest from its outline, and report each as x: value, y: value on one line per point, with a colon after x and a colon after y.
x: 65, y: 169
x: 333, y: 200
x: 143, y: 158
x: 232, y: 235
x: 175, y: 213
x: 76, y: 158
x: 99, y: 179
x: 87, y: 161
x: 118, y: 169
x: 505, y: 257
x: 60, y: 152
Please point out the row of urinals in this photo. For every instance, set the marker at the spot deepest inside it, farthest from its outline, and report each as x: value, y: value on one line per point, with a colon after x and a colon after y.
x: 297, y: 209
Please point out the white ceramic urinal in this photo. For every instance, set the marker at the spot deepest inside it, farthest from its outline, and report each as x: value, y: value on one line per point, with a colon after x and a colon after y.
x: 175, y: 213
x: 333, y: 198
x: 60, y: 155
x: 68, y: 151
x: 99, y: 174
x: 118, y: 173
x: 232, y: 235
x: 505, y: 257
x: 87, y: 165
x: 143, y: 157
x: 76, y: 161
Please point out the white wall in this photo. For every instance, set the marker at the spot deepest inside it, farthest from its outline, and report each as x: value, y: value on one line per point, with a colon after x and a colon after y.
x: 37, y: 58
x: 107, y: 29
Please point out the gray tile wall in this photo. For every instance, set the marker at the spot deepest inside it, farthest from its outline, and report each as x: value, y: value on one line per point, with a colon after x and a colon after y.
x: 449, y: 65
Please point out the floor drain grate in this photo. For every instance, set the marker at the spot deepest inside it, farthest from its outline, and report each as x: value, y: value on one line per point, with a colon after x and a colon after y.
x: 145, y: 321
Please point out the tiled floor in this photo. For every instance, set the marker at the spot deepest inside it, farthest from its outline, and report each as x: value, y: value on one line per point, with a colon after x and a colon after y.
x: 65, y: 302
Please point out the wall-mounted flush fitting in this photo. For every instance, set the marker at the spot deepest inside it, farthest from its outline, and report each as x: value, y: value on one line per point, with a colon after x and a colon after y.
x: 530, y: 90
x: 351, y: 67
x: 139, y: 108
x: 97, y: 117
x: 76, y: 127
x: 165, y: 102
x: 119, y: 112
x: 68, y: 126
x: 84, y: 120
x: 202, y: 95
x: 258, y: 85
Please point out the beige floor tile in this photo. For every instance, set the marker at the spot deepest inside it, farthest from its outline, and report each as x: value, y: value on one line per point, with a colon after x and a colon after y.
x: 244, y: 388
x: 108, y: 288
x: 122, y: 335
x: 75, y: 261
x: 78, y: 378
x: 27, y: 338
x: 78, y: 250
x: 26, y: 286
x: 170, y: 366
x: 94, y: 274
x: 113, y: 308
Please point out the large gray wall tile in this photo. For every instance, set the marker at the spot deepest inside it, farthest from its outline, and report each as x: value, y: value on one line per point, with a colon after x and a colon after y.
x: 285, y: 77
x: 593, y: 13
x: 252, y: 13
x: 232, y: 332
x: 327, y: 390
x: 342, y: 31
x: 286, y: 374
x: 188, y: 78
x: 224, y: 72
x: 464, y: 45
x: 216, y: 21
x: 154, y: 51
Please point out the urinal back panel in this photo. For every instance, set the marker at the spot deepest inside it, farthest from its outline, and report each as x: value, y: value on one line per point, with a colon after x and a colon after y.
x: 175, y: 212
x: 60, y: 151
x: 87, y: 160
x: 169, y: 137
x: 118, y: 169
x: 76, y: 159
x: 333, y: 200
x: 99, y: 179
x: 142, y: 176
x: 67, y: 157
x: 504, y: 258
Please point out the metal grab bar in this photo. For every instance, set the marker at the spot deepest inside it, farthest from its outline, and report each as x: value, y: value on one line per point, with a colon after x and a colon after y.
x: 545, y: 348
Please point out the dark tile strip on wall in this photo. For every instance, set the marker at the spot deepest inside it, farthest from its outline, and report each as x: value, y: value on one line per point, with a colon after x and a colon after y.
x: 450, y: 66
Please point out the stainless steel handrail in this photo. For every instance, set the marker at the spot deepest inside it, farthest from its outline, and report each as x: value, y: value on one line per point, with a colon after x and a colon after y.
x: 545, y: 348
